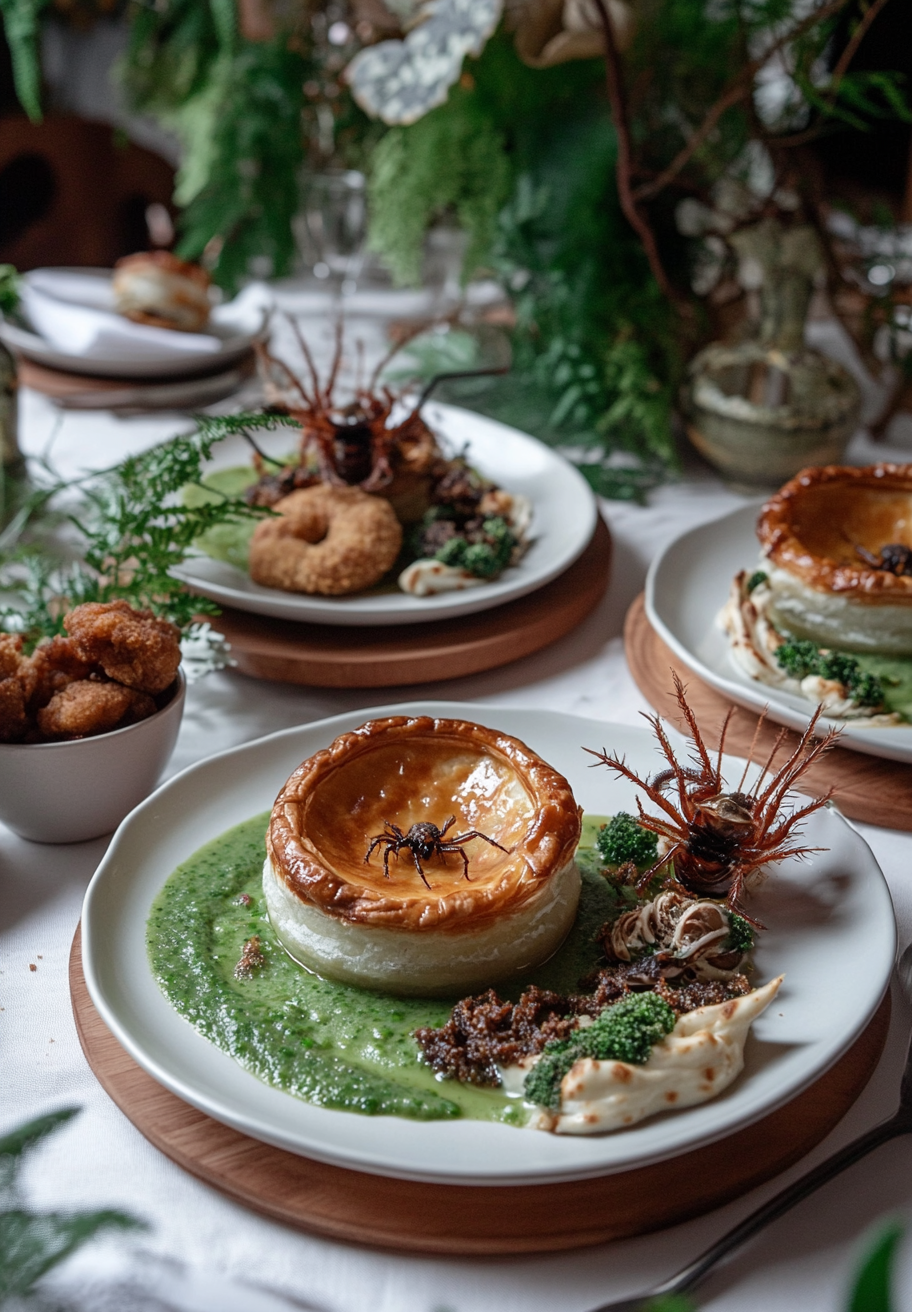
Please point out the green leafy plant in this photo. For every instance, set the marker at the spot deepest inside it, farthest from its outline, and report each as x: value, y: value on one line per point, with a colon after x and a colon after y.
x: 242, y: 198
x: 114, y: 534
x: 33, y: 1243
x: 9, y: 289
x: 872, y: 1287
x: 597, y: 156
x: 410, y: 189
x: 21, y: 24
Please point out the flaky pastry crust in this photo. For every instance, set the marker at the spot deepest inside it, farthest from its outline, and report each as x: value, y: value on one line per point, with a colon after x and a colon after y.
x: 812, y: 526
x: 164, y: 262
x: 158, y: 289
x: 406, y: 769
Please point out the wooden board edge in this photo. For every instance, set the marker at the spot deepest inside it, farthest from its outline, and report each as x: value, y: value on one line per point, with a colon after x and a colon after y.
x: 458, y: 1220
x: 444, y: 649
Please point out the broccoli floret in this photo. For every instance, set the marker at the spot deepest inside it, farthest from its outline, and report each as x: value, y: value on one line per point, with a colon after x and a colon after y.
x: 837, y: 665
x: 799, y: 659
x: 867, y: 690
x: 623, y: 839
x: 802, y: 658
x: 625, y: 1031
x: 759, y: 576
x: 454, y: 552
x: 489, y: 557
x: 740, y: 935
x: 485, y: 553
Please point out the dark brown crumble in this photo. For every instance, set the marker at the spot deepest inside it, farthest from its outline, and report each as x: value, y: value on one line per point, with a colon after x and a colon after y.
x: 484, y: 1033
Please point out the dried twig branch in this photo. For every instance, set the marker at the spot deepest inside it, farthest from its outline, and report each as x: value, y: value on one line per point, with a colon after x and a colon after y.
x: 839, y: 72
x: 618, y: 105
x: 854, y: 42
x: 741, y: 87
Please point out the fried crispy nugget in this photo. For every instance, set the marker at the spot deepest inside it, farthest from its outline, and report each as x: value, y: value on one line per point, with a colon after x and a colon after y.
x: 10, y: 654
x: 13, y: 716
x: 87, y: 707
x: 14, y: 688
x: 55, y: 664
x: 132, y: 646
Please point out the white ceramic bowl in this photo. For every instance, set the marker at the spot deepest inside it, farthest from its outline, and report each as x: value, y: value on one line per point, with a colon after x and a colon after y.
x: 71, y: 791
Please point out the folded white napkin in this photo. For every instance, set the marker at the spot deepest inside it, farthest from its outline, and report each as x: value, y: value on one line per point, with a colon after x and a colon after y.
x: 73, y: 311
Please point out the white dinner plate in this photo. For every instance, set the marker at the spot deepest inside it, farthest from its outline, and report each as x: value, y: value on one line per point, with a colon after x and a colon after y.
x: 95, y: 286
x: 830, y: 931
x: 686, y: 587
x: 564, y: 520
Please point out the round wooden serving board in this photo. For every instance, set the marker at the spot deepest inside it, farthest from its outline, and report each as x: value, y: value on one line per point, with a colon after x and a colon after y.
x: 460, y: 1219
x: 330, y: 656
x: 866, y: 787
x: 74, y: 391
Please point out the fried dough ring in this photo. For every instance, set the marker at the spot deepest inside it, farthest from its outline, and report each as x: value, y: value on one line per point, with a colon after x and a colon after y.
x: 329, y: 540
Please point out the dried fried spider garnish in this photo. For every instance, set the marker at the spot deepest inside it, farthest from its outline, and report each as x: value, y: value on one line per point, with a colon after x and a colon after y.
x: 718, y: 839
x: 355, y: 444
x: 424, y: 840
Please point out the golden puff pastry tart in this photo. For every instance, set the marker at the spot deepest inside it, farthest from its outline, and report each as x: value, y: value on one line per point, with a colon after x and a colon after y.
x: 836, y: 542
x: 425, y: 928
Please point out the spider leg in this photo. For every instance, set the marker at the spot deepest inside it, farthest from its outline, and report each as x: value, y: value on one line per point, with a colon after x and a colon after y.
x: 725, y: 724
x: 473, y: 833
x: 334, y: 370
x: 395, y: 829
x: 734, y: 899
x: 866, y: 556
x: 386, y: 858
x: 750, y: 755
x: 451, y: 821
x: 620, y: 767
x: 375, y: 842
x: 691, y: 720
x: 666, y: 860
x: 305, y: 351
x: 269, y: 362
x: 418, y: 868
x: 451, y: 847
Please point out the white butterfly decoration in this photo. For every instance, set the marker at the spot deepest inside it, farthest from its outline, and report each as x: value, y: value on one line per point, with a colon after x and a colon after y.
x: 399, y: 81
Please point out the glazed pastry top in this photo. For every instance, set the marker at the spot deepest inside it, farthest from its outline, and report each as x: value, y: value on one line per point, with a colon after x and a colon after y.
x: 813, y: 525
x: 409, y: 769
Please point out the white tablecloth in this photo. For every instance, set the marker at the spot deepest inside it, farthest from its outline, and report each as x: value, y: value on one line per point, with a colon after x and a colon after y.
x: 101, y: 1160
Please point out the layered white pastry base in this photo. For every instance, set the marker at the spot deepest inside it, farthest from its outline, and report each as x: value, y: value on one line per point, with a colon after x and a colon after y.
x: 746, y: 619
x: 410, y: 962
x: 837, y: 619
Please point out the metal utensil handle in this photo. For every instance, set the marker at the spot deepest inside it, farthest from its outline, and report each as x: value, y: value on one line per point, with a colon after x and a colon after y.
x: 780, y: 1203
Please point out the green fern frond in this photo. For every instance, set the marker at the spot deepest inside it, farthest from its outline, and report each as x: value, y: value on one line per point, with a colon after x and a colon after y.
x: 20, y: 24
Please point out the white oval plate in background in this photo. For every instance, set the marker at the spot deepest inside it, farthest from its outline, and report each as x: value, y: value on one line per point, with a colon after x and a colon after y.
x: 92, y: 288
x: 564, y: 520
x: 686, y: 587
x: 830, y: 931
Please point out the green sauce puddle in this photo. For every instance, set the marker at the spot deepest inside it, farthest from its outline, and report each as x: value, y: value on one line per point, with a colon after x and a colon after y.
x: 331, y: 1044
x: 896, y: 672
